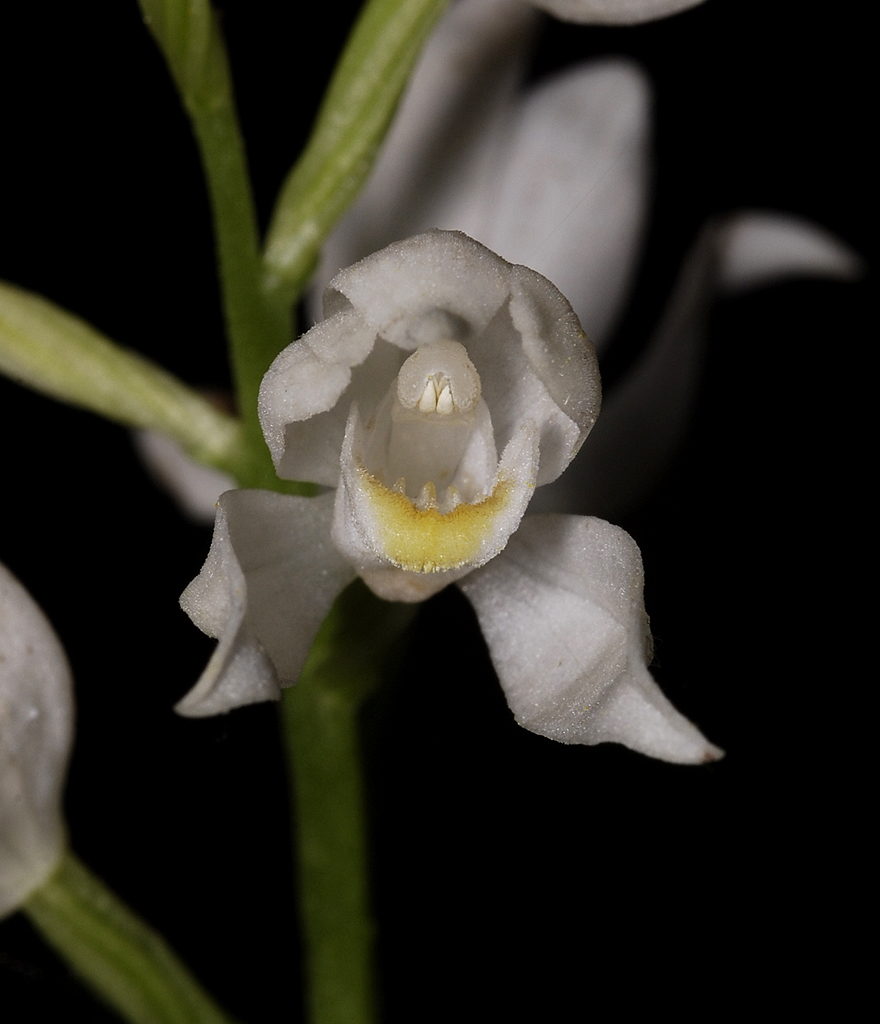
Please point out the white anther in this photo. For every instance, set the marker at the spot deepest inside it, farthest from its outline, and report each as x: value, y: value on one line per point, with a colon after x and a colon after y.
x: 435, y: 373
x: 445, y: 404
x: 428, y: 401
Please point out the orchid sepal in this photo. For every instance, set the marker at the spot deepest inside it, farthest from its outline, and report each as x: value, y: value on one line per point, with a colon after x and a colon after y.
x: 563, y: 614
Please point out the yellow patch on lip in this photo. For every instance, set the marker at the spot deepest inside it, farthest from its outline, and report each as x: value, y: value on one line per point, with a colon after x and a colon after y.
x: 427, y: 540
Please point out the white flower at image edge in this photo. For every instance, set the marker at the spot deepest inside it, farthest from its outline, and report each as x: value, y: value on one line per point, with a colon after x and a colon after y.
x: 442, y: 387
x: 613, y: 12
x: 36, y: 732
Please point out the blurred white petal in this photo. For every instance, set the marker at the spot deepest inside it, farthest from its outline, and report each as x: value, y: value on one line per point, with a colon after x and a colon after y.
x: 36, y: 733
x: 613, y: 12
x: 761, y: 247
x: 568, y: 196
x: 194, y: 486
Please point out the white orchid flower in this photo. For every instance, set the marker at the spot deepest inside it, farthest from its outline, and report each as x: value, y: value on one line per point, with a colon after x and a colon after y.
x: 433, y: 394
x: 442, y: 387
x: 36, y: 732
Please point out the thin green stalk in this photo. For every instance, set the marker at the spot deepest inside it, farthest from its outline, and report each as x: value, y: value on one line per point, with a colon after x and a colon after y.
x: 258, y: 325
x: 118, y: 955
x: 351, y: 124
x: 321, y: 718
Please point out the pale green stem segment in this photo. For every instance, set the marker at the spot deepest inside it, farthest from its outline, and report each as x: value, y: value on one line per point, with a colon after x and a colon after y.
x: 118, y: 955
x: 322, y: 732
x: 259, y: 325
x: 60, y: 355
x: 353, y: 119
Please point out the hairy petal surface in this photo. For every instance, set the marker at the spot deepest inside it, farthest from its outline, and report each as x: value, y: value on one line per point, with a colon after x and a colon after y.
x: 562, y: 612
x: 613, y: 12
x: 36, y: 733
x: 645, y: 417
x: 269, y: 580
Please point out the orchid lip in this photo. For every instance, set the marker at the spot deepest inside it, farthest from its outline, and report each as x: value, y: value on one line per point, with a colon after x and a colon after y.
x: 420, y: 537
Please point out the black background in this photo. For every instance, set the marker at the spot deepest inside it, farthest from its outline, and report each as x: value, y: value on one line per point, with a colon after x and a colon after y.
x: 515, y: 879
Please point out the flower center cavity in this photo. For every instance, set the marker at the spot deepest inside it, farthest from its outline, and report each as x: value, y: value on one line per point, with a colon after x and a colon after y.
x: 433, y: 438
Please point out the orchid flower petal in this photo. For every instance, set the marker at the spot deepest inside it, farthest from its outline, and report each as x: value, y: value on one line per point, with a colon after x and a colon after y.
x: 301, y: 413
x: 36, y: 733
x: 269, y: 581
x: 194, y: 486
x: 613, y: 12
x: 399, y: 289
x: 569, y: 195
x: 645, y: 417
x: 562, y: 612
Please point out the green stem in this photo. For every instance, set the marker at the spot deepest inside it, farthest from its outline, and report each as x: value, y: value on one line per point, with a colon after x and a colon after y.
x: 258, y: 328
x: 56, y: 353
x: 259, y: 325
x: 354, y: 117
x: 118, y: 955
x: 321, y: 716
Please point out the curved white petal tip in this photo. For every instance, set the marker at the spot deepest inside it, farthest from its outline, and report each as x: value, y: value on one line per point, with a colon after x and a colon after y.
x: 36, y: 731
x: 638, y: 715
x: 758, y: 248
x: 614, y: 12
x: 562, y: 612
